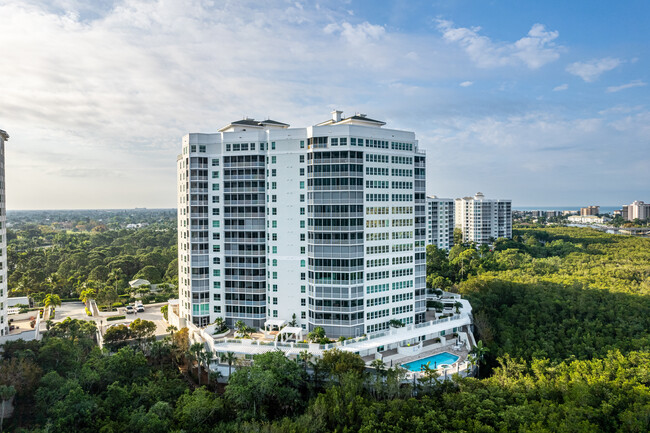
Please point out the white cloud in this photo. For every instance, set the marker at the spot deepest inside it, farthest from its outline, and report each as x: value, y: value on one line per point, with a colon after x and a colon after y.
x: 591, y: 70
x: 466, y: 83
x: 356, y: 34
x: 560, y: 87
x: 534, y: 50
x: 96, y: 99
x: 633, y: 83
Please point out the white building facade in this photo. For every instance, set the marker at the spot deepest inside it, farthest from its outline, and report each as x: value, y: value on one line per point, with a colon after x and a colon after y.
x: 482, y: 220
x: 4, y: 327
x: 636, y: 210
x: 323, y: 225
x: 440, y: 222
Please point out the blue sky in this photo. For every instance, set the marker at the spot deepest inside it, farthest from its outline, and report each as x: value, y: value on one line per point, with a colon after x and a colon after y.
x: 545, y: 103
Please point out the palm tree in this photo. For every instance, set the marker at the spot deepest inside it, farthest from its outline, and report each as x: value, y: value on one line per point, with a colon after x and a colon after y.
x: 52, y: 300
x: 479, y: 352
x: 305, y: 357
x: 196, y: 352
x: 430, y: 374
x: 458, y: 305
x: 220, y: 323
x: 472, y: 361
x: 6, y: 392
x: 87, y: 295
x: 316, y: 335
x: 230, y: 358
x: 207, y: 357
x: 171, y: 329
x: 379, y: 365
x: 158, y: 350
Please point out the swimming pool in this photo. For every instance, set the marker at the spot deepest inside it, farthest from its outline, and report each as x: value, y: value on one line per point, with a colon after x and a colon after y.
x: 436, y: 361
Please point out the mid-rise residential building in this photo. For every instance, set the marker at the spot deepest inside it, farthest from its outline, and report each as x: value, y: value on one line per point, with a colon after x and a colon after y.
x: 589, y: 210
x: 636, y: 210
x: 440, y: 222
x: 587, y: 219
x: 323, y: 225
x: 483, y: 220
x: 4, y: 328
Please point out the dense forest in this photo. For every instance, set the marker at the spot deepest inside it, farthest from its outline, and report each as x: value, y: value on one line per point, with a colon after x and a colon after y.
x: 564, y: 314
x: 45, y: 259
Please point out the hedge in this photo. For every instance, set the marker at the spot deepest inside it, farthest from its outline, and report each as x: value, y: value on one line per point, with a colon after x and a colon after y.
x: 111, y: 318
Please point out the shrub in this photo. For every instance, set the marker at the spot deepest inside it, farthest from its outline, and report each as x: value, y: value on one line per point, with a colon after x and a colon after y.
x: 111, y: 318
x: 88, y: 312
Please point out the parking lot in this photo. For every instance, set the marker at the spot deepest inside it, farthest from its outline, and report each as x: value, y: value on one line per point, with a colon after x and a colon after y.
x: 76, y: 310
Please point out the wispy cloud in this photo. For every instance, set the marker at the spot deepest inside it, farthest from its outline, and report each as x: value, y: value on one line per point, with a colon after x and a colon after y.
x: 534, y: 50
x: 560, y: 87
x: 590, y: 71
x: 634, y: 83
x: 466, y: 83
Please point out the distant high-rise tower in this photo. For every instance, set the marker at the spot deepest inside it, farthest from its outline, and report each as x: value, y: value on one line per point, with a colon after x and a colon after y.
x: 636, y: 210
x: 483, y: 220
x: 589, y: 210
x: 440, y: 222
x: 4, y: 328
x: 323, y: 225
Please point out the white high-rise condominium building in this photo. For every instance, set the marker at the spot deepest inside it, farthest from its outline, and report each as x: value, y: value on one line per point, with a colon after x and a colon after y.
x: 440, y: 222
x: 636, y: 210
x: 483, y: 220
x: 324, y: 224
x: 4, y: 328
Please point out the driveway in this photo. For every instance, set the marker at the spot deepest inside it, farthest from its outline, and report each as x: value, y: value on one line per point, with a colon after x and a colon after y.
x: 76, y: 310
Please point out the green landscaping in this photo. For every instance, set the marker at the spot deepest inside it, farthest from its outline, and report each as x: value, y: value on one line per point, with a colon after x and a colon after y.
x: 563, y: 316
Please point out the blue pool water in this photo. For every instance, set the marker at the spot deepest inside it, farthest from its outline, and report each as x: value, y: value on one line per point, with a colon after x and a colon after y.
x: 436, y: 361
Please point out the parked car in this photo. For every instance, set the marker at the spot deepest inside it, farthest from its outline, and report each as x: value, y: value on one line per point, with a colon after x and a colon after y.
x: 130, y: 309
x: 140, y: 308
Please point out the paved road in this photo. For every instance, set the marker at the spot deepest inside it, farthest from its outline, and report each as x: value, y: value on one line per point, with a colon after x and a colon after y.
x: 76, y: 310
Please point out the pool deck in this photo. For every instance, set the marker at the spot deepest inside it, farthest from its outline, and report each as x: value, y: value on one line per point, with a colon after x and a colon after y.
x: 399, y: 359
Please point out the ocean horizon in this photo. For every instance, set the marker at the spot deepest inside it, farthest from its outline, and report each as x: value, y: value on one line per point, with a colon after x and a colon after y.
x: 603, y: 209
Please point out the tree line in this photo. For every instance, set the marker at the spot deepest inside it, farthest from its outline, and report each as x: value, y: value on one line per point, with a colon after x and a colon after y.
x: 66, y: 383
x: 44, y: 261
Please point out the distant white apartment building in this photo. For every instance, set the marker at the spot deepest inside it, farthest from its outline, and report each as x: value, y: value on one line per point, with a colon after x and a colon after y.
x: 483, y: 220
x: 636, y: 210
x: 324, y: 224
x: 4, y: 328
x: 440, y: 222
x: 587, y: 219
